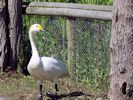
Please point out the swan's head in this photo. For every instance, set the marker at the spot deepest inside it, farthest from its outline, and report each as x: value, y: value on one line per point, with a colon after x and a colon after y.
x: 35, y: 28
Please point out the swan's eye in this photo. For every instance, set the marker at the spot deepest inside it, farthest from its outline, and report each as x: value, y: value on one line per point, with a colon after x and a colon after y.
x: 37, y: 27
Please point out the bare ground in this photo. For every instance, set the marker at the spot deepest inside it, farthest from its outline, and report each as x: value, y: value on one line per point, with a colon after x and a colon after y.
x: 19, y: 87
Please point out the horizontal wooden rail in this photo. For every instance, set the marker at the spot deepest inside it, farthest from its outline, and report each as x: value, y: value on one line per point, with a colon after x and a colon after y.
x: 70, y: 10
x: 71, y: 6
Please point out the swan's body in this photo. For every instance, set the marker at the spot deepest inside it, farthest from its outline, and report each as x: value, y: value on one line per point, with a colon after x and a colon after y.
x: 44, y: 68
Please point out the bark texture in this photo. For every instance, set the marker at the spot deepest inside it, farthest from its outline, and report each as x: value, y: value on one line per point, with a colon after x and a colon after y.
x: 121, y: 50
x: 3, y: 34
x: 15, y: 28
x: 10, y: 31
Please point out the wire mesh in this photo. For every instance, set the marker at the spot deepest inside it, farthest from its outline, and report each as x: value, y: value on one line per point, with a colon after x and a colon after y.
x: 91, y: 43
x: 92, y: 51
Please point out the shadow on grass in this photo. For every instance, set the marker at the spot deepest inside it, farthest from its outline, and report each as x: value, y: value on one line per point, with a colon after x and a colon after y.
x: 65, y: 95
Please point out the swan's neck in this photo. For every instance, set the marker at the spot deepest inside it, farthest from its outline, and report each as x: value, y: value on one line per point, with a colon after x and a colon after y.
x: 33, y: 46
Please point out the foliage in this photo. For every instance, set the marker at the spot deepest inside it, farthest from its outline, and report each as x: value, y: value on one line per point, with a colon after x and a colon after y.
x: 92, y: 42
x: 99, y: 2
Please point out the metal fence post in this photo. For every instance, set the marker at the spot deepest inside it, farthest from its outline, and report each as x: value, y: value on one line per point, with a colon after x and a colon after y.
x: 71, y: 47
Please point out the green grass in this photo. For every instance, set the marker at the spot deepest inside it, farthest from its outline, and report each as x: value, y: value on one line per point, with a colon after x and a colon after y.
x: 20, y: 87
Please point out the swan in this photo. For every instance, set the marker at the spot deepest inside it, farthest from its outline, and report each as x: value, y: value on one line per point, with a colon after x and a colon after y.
x: 44, y: 68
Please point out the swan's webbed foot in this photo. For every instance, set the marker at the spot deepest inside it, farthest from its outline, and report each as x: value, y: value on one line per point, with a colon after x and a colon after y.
x: 52, y: 95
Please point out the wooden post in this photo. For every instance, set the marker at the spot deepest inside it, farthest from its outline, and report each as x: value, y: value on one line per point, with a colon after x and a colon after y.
x: 71, y: 48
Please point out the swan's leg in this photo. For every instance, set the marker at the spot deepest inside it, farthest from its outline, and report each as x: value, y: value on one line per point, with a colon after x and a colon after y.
x: 53, y: 95
x: 40, y: 97
x: 56, y: 88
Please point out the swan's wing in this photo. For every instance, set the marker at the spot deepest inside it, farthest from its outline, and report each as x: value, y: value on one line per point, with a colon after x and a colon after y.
x: 53, y: 65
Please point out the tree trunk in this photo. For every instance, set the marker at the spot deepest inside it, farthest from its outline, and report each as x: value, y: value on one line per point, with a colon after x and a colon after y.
x: 121, y: 50
x: 10, y: 30
x: 15, y: 28
x: 3, y: 34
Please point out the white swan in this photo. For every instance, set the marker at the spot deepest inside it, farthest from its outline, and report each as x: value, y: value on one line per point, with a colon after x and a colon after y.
x: 44, y: 68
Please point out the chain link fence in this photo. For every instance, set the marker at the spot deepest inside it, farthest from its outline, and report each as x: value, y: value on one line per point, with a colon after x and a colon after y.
x: 88, y: 52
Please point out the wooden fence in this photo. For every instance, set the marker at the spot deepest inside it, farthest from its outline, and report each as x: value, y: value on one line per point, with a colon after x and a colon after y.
x: 69, y: 10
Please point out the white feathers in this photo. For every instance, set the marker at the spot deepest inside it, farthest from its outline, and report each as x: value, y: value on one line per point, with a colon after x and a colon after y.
x: 44, y: 68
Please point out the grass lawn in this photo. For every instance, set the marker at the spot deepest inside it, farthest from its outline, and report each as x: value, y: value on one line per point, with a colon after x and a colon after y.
x: 19, y: 87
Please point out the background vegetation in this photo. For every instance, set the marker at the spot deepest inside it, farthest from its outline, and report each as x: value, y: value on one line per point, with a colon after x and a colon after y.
x: 100, y: 2
x: 92, y: 50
